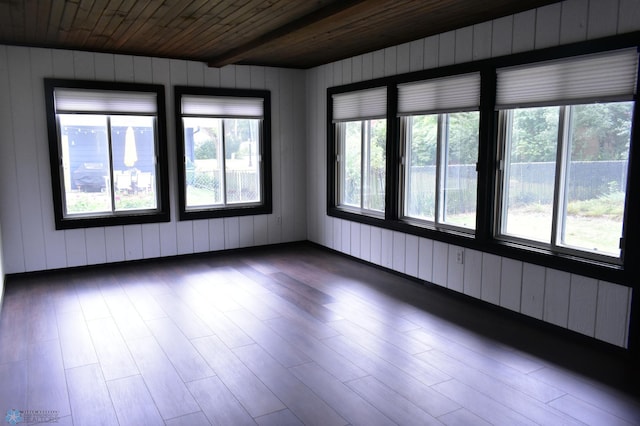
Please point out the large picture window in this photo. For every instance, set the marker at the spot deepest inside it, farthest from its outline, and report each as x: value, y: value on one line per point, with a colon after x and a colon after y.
x: 565, y: 134
x: 224, y: 150
x: 106, y: 144
x: 360, y: 127
x: 439, y: 123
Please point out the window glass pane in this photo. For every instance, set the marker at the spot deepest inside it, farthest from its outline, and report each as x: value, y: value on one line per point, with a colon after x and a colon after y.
x: 420, y: 175
x: 596, y: 176
x: 352, y: 164
x: 225, y: 146
x: 530, y: 168
x: 460, y: 183
x: 375, y: 164
x: 242, y: 169
x: 134, y: 162
x: 85, y: 163
x: 203, y: 161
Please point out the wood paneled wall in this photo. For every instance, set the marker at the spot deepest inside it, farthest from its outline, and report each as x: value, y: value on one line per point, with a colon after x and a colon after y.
x: 29, y: 238
x: 594, y: 308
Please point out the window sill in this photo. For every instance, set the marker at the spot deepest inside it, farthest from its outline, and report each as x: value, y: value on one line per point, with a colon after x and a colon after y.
x: 608, y: 271
x: 432, y: 226
x: 231, y: 211
x: 103, y: 221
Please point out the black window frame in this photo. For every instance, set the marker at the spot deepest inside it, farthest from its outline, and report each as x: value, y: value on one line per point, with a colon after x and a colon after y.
x: 485, y: 238
x: 441, y: 163
x: 334, y: 208
x: 229, y: 210
x: 129, y: 217
x: 560, y: 190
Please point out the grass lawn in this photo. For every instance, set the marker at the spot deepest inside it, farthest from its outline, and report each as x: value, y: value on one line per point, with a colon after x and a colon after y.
x: 98, y: 202
x: 594, y: 225
x: 200, y: 196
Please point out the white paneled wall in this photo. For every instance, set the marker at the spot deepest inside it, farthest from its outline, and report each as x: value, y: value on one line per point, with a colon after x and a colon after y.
x: 298, y: 101
x: 29, y: 238
x: 1, y: 271
x: 594, y: 308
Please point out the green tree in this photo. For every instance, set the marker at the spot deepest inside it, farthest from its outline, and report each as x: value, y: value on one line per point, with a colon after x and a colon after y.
x: 601, y: 131
x: 378, y: 146
x: 353, y: 162
x: 535, y: 134
x: 206, y: 150
x: 424, y: 142
x: 463, y: 137
x: 374, y: 139
x: 377, y: 164
x: 206, y: 143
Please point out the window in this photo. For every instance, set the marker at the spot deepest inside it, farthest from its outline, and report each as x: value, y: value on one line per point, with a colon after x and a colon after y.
x: 360, y: 128
x: 526, y: 156
x: 439, y: 123
x: 224, y: 152
x: 107, y: 149
x: 565, y: 138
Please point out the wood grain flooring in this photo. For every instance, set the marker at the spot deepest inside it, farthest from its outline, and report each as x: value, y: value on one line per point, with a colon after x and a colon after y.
x: 290, y: 335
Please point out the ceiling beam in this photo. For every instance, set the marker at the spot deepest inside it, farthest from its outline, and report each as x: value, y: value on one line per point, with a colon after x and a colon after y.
x: 239, y: 53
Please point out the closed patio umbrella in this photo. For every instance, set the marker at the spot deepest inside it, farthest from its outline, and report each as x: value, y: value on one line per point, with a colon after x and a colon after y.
x: 130, y: 150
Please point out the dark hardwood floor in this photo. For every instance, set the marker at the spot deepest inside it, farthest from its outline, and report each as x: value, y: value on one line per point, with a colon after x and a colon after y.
x: 286, y: 335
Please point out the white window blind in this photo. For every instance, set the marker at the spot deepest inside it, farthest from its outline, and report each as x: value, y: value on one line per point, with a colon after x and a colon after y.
x: 609, y: 76
x: 222, y: 106
x: 448, y: 94
x: 360, y: 105
x: 104, y: 101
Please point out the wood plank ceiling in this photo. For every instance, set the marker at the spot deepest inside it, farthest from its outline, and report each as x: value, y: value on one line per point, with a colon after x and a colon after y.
x: 286, y: 33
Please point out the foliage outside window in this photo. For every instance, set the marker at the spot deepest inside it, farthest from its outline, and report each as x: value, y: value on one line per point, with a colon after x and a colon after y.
x: 439, y: 178
x: 106, y: 142
x: 362, y: 171
x: 360, y: 140
x: 565, y: 161
x: 224, y: 145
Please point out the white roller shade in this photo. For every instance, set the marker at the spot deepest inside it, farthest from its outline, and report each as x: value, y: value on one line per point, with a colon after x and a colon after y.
x: 104, y: 101
x: 609, y: 76
x: 222, y: 106
x: 448, y: 94
x: 360, y: 105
